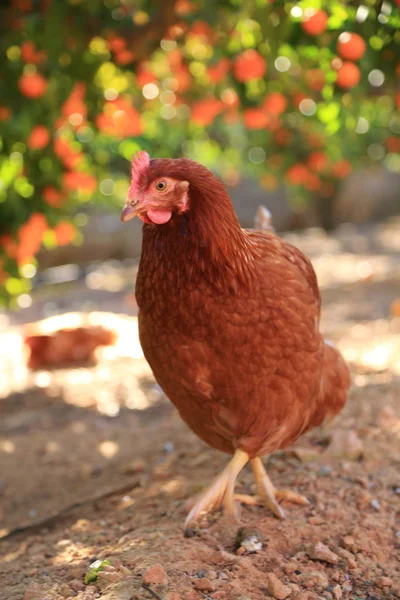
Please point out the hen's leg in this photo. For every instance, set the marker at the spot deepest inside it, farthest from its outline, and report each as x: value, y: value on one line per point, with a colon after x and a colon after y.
x: 221, y: 490
x: 267, y: 494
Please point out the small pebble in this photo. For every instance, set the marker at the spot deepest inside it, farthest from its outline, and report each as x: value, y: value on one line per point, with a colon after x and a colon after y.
x: 168, y: 447
x: 204, y: 585
x: 319, y: 551
x: 316, y: 520
x: 312, y: 579
x: 276, y: 588
x: 351, y: 563
x: 325, y: 470
x: 383, y: 582
x: 202, y: 573
x: 290, y: 568
x: 375, y: 504
x: 155, y: 575
x: 77, y: 585
x: 337, y: 592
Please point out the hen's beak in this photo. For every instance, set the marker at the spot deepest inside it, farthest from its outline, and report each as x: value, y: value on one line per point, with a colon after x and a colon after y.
x: 129, y: 212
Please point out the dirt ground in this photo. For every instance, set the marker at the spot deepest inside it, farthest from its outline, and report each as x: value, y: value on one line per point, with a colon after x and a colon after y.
x: 96, y: 464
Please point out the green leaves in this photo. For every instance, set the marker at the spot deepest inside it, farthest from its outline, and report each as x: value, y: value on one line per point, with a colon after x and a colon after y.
x: 94, y: 569
x: 106, y: 79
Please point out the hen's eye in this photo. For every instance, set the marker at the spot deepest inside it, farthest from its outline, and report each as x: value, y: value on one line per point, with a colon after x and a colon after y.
x: 161, y: 185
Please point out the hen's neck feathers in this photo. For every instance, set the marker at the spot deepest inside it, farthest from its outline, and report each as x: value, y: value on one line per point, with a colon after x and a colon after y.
x: 207, y: 240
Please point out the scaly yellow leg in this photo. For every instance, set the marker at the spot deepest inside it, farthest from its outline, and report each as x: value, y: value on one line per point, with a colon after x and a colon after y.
x: 221, y: 490
x: 267, y: 494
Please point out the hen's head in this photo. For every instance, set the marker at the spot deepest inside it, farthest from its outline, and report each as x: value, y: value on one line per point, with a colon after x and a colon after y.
x: 153, y: 195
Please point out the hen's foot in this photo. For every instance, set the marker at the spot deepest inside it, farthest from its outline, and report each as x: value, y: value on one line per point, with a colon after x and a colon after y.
x: 221, y: 490
x: 267, y: 494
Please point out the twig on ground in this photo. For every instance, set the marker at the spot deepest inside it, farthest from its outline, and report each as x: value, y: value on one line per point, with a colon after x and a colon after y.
x: 152, y: 592
x: 52, y: 519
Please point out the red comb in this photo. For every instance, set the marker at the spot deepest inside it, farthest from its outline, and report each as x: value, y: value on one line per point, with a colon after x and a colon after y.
x: 140, y: 164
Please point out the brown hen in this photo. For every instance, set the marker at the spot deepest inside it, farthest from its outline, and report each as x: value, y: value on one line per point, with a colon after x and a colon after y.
x: 229, y: 323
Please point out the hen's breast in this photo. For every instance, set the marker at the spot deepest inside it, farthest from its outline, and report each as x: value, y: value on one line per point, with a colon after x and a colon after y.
x: 243, y: 369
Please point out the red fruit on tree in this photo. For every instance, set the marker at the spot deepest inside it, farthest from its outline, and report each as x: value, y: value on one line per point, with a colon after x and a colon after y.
x: 64, y: 233
x: 298, y: 98
x: 125, y: 57
x: 312, y: 182
x: 348, y: 75
x: 315, y: 79
x: 5, y: 113
x: 351, y: 46
x: 315, y: 23
x: 205, y: 111
x: 73, y: 180
x: 283, y: 137
x: 218, y: 71
x: 29, y: 54
x: 341, y: 169
x: 75, y: 101
x: 39, y: 137
x: 393, y: 144
x: 249, y: 65
x: 117, y: 44
x: 255, y: 118
x: 297, y: 174
x: 275, y: 103
x: 52, y: 196
x: 33, y: 85
x: 317, y: 161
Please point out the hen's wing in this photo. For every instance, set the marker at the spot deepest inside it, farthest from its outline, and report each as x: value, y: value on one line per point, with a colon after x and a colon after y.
x: 273, y: 245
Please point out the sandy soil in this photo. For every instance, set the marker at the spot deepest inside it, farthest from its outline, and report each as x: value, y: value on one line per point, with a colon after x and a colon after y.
x: 96, y: 464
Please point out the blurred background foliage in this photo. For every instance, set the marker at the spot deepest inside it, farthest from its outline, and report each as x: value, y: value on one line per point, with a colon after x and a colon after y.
x: 294, y: 93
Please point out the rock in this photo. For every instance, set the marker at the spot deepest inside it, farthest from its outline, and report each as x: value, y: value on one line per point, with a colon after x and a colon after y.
x: 65, y: 591
x: 104, y: 578
x: 383, y: 582
x: 351, y: 563
x: 124, y: 590
x: 204, y: 585
x: 312, y: 579
x: 319, y: 551
x: 37, y: 592
x: 77, y: 585
x: 316, y: 520
x: 276, y: 588
x: 290, y: 568
x: 345, y: 444
x: 337, y: 592
x: 350, y: 544
x: 155, y: 575
x: 375, y: 504
x: 173, y: 596
x: 307, y: 455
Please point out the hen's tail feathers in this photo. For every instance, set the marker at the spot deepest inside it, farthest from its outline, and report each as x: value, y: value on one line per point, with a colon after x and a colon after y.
x: 263, y: 219
x: 335, y: 381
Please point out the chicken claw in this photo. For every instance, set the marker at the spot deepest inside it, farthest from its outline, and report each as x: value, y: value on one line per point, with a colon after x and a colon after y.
x: 267, y: 494
x: 221, y: 490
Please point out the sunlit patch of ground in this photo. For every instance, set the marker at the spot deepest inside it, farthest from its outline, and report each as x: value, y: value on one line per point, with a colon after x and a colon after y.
x: 76, y: 435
